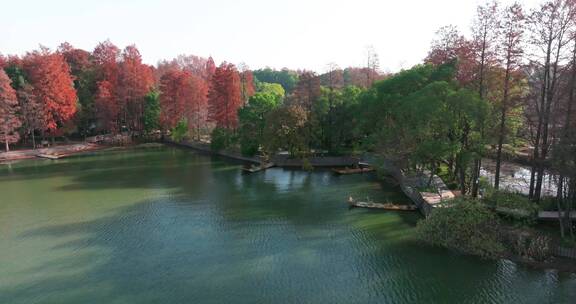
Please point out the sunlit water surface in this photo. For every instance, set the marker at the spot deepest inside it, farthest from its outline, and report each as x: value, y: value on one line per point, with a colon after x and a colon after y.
x: 164, y: 225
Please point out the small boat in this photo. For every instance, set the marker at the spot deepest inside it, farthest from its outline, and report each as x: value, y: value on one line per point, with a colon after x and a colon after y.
x: 51, y: 156
x: 345, y: 171
x: 253, y: 168
x: 386, y: 206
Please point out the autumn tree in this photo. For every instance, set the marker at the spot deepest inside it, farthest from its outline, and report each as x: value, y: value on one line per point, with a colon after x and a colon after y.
x: 196, y: 110
x: 31, y: 112
x: 450, y: 46
x: 306, y: 93
x: 3, y: 61
x: 107, y: 108
x: 9, y: 121
x: 224, y: 96
x: 247, y: 88
x: 83, y: 72
x: 105, y: 58
x: 210, y: 69
x: 135, y: 80
x: 175, y: 92
x: 49, y: 74
x: 307, y: 90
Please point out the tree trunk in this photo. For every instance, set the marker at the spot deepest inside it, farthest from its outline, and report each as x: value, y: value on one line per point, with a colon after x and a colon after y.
x: 33, y: 140
x: 559, y: 200
x: 499, y: 151
x: 502, y: 131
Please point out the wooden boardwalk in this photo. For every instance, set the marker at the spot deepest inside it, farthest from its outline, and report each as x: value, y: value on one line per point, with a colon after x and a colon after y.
x: 384, y: 206
x: 553, y: 215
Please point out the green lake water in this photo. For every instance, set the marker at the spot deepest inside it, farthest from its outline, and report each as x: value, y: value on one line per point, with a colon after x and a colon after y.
x: 166, y: 225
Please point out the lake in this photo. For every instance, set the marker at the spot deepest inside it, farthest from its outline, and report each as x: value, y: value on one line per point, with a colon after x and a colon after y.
x: 167, y: 225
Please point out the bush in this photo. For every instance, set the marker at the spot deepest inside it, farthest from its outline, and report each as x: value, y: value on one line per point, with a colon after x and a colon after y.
x: 221, y: 139
x: 180, y: 131
x: 512, y: 205
x: 249, y: 147
x: 465, y: 226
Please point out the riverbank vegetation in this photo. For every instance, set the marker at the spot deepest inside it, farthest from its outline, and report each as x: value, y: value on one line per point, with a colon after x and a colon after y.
x: 511, y: 85
x: 499, y: 225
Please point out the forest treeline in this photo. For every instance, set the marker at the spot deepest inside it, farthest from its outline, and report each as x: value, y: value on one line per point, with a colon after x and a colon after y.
x: 509, y: 86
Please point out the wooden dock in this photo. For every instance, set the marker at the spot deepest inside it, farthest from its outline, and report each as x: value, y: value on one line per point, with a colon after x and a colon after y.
x: 553, y: 215
x: 346, y: 171
x: 384, y: 206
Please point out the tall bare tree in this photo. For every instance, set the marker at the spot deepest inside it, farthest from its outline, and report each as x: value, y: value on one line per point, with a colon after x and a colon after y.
x: 549, y: 27
x: 510, y: 39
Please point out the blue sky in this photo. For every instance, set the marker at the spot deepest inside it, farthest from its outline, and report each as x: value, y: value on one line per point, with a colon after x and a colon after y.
x: 305, y: 34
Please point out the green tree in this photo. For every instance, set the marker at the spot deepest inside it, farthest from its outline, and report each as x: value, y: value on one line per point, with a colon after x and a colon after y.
x: 272, y: 88
x: 288, y: 79
x: 180, y: 131
x: 222, y: 138
x: 286, y: 129
x: 252, y: 121
x: 422, y: 117
x: 152, y: 112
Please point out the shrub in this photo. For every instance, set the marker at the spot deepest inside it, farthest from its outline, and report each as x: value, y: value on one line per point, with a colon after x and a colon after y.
x: 465, y: 226
x: 249, y: 147
x: 221, y: 139
x: 513, y: 205
x: 180, y: 131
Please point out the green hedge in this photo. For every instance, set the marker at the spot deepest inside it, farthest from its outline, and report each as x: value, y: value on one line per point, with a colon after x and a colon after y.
x: 463, y: 225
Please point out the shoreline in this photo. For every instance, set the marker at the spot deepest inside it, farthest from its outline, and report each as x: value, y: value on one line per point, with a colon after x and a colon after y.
x: 63, y: 151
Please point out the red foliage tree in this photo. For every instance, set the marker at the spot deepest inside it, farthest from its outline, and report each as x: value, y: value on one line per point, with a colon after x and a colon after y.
x: 105, y: 57
x: 9, y: 121
x: 210, y: 69
x: 77, y: 59
x: 247, y: 85
x: 224, y: 96
x: 307, y: 90
x: 135, y: 80
x: 197, y: 109
x: 31, y: 110
x: 107, y: 109
x: 53, y: 86
x: 3, y: 61
x: 450, y: 45
x: 175, y: 93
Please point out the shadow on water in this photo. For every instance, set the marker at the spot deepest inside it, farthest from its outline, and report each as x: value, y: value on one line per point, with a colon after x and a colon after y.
x: 216, y: 236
